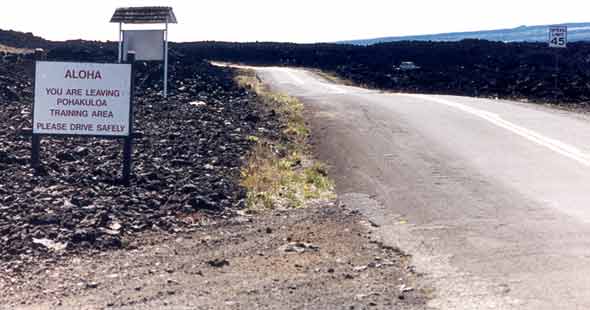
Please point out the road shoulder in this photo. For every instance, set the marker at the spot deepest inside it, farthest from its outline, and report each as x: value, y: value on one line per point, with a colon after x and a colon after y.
x: 318, y: 258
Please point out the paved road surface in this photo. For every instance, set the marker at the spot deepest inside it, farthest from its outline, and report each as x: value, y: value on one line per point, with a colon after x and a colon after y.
x: 492, y: 198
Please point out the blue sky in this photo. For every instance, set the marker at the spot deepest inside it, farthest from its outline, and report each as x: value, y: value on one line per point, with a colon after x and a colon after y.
x: 293, y: 21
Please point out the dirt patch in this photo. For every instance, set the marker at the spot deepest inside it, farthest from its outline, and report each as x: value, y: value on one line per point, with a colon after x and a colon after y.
x: 318, y: 258
x: 13, y: 50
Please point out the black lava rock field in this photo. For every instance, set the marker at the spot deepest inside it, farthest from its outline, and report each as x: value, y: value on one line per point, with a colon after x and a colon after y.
x: 191, y: 146
x: 530, y: 71
x: 469, y: 67
x: 187, y: 159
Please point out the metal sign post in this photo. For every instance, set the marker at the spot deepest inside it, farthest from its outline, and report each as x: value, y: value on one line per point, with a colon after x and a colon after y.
x: 120, y: 58
x: 556, y: 73
x: 128, y: 141
x: 166, y: 60
x: 36, y: 138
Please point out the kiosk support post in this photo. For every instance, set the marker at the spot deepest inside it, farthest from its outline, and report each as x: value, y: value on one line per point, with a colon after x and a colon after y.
x: 120, y: 42
x: 166, y: 61
x: 128, y: 141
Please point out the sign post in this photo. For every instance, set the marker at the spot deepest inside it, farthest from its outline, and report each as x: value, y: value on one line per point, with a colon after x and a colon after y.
x: 166, y: 61
x: 83, y: 99
x: 35, y: 138
x: 557, y: 39
x: 128, y: 142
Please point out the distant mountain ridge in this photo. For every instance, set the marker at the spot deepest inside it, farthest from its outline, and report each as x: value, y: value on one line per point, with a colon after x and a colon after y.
x: 576, y: 32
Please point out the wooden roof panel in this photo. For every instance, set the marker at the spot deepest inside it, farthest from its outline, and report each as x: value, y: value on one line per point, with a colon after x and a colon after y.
x: 144, y: 15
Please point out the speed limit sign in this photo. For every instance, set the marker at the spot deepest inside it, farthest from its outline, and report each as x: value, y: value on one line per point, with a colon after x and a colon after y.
x: 558, y: 36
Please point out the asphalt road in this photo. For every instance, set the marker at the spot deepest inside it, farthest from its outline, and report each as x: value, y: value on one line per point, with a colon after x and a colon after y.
x: 490, y: 197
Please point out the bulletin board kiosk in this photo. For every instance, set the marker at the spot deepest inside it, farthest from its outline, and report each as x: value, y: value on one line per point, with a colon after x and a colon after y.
x: 149, y: 45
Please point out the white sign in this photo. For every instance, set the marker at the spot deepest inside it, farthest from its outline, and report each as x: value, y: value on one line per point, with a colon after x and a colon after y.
x: 82, y: 99
x: 147, y: 44
x: 558, y: 36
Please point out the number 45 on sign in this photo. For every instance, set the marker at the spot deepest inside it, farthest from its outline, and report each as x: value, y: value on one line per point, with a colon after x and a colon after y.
x: 558, y: 36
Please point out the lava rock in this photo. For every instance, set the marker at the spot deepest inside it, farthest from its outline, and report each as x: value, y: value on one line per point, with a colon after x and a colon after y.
x: 186, y: 160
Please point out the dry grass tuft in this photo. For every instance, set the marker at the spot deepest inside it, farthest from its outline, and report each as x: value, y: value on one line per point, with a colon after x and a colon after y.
x: 282, y: 173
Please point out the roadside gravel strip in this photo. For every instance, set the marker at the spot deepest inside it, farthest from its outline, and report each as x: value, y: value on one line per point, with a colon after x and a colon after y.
x: 318, y: 258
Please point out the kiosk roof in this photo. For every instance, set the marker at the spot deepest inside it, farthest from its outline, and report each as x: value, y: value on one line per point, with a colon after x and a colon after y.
x: 144, y: 15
